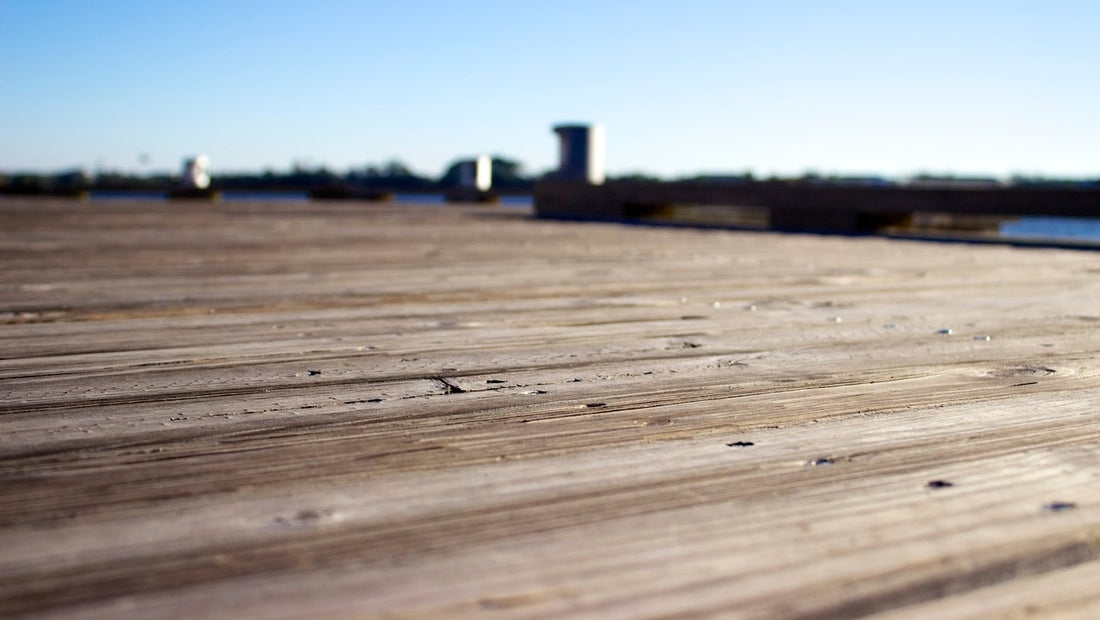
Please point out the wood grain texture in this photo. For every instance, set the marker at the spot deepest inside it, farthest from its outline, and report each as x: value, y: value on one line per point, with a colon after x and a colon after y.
x: 384, y: 410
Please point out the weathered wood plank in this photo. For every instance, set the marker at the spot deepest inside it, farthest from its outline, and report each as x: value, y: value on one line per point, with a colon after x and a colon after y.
x: 352, y: 409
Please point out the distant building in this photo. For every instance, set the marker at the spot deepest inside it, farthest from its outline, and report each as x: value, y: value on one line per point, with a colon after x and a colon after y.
x: 582, y: 153
x: 196, y: 173
x: 476, y: 173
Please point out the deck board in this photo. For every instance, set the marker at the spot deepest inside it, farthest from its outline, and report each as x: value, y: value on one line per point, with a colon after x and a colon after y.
x: 354, y: 409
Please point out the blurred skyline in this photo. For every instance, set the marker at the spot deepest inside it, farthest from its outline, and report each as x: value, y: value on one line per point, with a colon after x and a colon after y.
x: 894, y: 89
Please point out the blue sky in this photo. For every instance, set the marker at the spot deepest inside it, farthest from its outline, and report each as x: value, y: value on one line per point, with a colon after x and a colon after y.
x: 682, y: 87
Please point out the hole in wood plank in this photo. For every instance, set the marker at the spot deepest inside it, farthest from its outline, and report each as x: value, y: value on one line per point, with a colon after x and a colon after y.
x: 1022, y: 371
x: 307, y: 516
x: 449, y: 387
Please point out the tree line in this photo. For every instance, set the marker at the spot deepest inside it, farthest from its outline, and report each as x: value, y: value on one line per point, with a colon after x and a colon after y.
x: 508, y: 174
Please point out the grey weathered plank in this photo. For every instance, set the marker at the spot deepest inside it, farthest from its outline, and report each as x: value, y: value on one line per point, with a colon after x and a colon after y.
x: 352, y: 409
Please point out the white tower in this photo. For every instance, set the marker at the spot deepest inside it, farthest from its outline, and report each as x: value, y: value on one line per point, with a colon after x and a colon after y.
x: 196, y: 173
x: 476, y: 173
x: 582, y: 153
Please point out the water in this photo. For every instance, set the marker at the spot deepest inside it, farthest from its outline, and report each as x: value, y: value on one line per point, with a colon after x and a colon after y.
x: 122, y: 195
x: 1049, y: 229
x: 1053, y: 229
x: 255, y: 196
x: 233, y: 196
x: 230, y: 195
x: 420, y: 199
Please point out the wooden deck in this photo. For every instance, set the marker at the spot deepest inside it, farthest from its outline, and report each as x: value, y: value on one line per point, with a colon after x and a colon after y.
x: 808, y: 206
x: 359, y: 410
